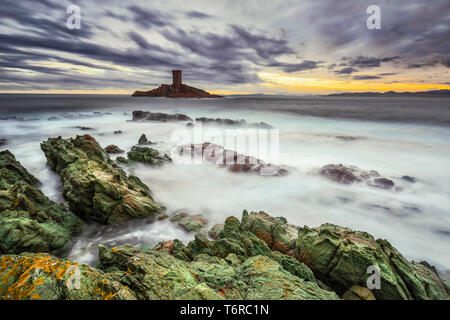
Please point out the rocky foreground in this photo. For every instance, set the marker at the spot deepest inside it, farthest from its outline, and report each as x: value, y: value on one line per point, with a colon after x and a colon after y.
x: 257, y: 257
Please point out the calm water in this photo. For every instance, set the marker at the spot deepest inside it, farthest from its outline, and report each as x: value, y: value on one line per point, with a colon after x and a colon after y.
x: 395, y: 136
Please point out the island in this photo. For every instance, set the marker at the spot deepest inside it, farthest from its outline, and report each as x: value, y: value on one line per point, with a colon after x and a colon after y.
x: 421, y: 94
x: 175, y: 90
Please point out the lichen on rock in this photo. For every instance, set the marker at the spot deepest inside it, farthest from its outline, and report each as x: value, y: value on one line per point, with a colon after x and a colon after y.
x: 29, y: 221
x: 94, y: 186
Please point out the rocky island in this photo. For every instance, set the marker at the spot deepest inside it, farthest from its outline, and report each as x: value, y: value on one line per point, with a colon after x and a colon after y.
x: 175, y: 90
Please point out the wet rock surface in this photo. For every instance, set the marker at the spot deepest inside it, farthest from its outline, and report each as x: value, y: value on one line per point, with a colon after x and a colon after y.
x: 352, y: 174
x: 245, y: 262
x: 94, y: 186
x: 148, y: 156
x: 188, y: 222
x: 112, y: 148
x: 158, y: 116
x: 29, y: 221
x: 234, y: 161
x: 44, y: 277
x: 230, y: 122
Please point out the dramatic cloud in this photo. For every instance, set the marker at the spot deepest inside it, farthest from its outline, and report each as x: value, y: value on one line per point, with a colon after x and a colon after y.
x: 129, y: 44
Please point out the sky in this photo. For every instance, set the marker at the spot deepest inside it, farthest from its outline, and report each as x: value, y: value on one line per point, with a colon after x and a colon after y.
x: 225, y: 47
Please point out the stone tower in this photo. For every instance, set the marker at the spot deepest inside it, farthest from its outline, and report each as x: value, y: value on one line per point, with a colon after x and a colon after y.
x: 176, y: 78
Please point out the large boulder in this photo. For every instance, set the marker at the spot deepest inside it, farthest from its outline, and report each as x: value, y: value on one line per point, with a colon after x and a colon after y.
x: 340, y: 257
x: 44, y: 277
x: 29, y: 221
x: 94, y: 186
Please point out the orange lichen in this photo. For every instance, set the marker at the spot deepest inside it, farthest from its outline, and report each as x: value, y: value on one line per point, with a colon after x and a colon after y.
x: 20, y: 272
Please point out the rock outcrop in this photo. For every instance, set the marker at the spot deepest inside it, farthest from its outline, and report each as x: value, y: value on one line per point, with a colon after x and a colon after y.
x: 112, y: 148
x: 148, y: 156
x: 340, y: 258
x: 234, y: 161
x: 230, y: 122
x: 171, y: 91
x: 44, y: 277
x: 94, y: 186
x: 352, y: 174
x: 188, y: 222
x: 158, y: 116
x: 245, y: 262
x: 29, y: 221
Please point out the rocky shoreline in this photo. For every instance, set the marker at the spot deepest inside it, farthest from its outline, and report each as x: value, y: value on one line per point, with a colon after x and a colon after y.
x: 257, y: 257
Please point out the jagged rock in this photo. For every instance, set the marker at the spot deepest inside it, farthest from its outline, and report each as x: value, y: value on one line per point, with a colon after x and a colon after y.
x: 143, y: 140
x: 112, y: 148
x: 123, y: 160
x: 234, y: 161
x: 215, y: 231
x: 340, y: 257
x: 94, y: 186
x: 171, y: 91
x: 229, y: 122
x: 43, y: 277
x: 351, y: 174
x: 11, y: 171
x: 29, y: 221
x: 358, y: 293
x: 147, y: 155
x: 409, y: 179
x: 190, y: 223
x: 382, y: 183
x: 118, y: 132
x: 160, y: 275
x: 276, y: 232
x: 159, y: 116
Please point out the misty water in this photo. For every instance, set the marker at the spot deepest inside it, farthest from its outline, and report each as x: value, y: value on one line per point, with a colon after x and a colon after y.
x: 394, y: 136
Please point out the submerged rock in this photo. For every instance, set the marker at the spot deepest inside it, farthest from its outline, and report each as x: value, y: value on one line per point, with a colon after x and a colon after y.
x: 234, y: 161
x: 148, y: 156
x: 352, y: 174
x: 112, y: 148
x: 159, y: 116
x: 229, y: 122
x: 43, y: 277
x: 190, y: 223
x: 3, y: 141
x: 29, y: 221
x: 143, y: 140
x: 94, y: 186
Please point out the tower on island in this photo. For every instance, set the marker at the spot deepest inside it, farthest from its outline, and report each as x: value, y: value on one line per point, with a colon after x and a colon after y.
x: 176, y: 74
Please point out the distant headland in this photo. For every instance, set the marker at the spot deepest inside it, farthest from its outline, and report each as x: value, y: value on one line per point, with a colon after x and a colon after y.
x: 175, y: 90
x: 423, y: 94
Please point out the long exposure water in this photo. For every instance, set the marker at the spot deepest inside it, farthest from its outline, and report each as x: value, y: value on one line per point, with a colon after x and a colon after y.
x: 395, y: 136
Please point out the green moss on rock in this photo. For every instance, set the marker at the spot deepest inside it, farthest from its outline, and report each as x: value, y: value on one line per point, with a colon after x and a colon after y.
x: 94, y: 186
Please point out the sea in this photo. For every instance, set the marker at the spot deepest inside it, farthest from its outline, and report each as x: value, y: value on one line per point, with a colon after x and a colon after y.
x: 395, y: 136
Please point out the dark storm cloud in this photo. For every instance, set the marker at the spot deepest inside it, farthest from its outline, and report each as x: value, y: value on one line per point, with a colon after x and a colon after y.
x: 147, y: 18
x: 348, y: 70
x: 197, y: 15
x: 294, y: 67
x: 367, y: 62
x: 410, y: 29
x: 365, y: 77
